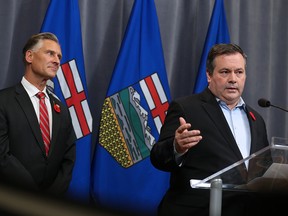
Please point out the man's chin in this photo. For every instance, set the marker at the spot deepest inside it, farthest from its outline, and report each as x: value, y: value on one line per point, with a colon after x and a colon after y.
x: 51, y: 76
x: 48, y: 78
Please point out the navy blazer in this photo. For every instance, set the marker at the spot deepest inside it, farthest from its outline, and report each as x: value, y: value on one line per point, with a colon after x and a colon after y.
x: 22, y: 154
x: 217, y: 150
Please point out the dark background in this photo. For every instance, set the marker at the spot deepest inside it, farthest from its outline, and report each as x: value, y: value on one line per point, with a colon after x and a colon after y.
x: 260, y: 27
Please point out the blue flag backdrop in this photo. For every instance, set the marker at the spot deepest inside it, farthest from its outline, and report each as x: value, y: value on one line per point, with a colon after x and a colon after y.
x: 132, y: 115
x: 63, y: 19
x: 217, y: 33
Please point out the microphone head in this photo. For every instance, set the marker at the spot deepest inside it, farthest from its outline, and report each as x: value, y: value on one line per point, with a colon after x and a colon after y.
x: 263, y: 102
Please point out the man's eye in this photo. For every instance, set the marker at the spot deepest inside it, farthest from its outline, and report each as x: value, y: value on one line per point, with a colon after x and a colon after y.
x: 50, y: 53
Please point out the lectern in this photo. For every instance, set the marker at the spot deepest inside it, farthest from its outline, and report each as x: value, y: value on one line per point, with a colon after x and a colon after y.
x: 263, y: 175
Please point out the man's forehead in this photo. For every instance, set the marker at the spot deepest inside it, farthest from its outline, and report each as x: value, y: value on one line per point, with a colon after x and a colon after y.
x: 51, y: 45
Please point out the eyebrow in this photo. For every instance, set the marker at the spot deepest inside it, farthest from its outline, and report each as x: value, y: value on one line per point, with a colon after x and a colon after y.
x: 52, y: 51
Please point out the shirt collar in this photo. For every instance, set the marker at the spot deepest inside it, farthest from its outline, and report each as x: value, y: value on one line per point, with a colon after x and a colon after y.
x: 240, y: 104
x: 31, y: 89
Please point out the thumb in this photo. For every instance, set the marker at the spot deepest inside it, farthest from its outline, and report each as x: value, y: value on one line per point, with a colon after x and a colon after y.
x: 183, y: 125
x: 182, y: 121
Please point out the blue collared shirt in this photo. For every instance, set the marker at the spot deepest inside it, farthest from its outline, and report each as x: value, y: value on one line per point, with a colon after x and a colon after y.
x: 239, y: 125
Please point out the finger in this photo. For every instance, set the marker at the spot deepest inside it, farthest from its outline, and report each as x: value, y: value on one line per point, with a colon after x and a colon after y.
x: 183, y: 125
x: 182, y: 121
x: 185, y: 143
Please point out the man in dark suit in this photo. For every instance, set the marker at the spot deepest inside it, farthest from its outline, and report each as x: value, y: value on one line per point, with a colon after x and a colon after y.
x: 207, y: 132
x: 24, y: 159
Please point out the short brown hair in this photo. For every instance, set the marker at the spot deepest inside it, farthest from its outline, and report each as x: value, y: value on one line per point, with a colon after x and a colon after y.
x: 222, y: 49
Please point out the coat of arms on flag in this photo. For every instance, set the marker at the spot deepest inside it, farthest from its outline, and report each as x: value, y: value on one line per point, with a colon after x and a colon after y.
x: 128, y: 119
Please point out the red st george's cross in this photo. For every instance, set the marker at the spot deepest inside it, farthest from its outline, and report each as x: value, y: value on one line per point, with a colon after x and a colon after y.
x: 76, y: 97
x: 160, y: 107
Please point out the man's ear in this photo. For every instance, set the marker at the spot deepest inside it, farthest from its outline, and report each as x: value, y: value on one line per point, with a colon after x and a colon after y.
x: 29, y: 56
x: 208, y: 76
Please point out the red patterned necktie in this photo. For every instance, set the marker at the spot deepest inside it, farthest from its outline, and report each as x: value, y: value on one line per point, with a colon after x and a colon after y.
x: 44, y: 121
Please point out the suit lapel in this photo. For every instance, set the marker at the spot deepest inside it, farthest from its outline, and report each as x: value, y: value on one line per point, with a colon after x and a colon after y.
x: 56, y: 121
x: 252, y: 123
x: 28, y: 109
x: 215, y: 113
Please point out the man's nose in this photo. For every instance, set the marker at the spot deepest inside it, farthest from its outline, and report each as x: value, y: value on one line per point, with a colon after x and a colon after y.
x: 232, y: 77
x: 56, y: 59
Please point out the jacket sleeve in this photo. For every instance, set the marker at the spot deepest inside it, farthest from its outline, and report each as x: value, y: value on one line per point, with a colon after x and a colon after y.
x: 162, y: 154
x: 12, y: 170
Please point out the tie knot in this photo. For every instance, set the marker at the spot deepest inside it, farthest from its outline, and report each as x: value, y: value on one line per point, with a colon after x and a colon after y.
x: 40, y: 95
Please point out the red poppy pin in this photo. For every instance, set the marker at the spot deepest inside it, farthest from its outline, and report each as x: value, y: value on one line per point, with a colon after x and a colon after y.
x: 252, y: 116
x: 57, y: 108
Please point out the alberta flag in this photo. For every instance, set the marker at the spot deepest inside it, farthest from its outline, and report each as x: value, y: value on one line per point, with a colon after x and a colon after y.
x: 217, y: 33
x: 132, y: 115
x: 63, y: 19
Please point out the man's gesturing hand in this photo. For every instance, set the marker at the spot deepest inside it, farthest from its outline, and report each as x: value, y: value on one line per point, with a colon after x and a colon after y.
x: 185, y: 139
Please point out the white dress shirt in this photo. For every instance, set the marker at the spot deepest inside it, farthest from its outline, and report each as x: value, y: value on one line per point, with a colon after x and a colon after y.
x: 32, y: 92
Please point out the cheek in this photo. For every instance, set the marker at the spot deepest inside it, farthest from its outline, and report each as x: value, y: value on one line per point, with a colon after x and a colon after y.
x: 242, y: 82
x: 37, y: 67
x: 219, y: 81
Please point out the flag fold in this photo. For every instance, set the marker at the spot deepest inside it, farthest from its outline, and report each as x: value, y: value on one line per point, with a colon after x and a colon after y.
x: 63, y: 19
x: 132, y: 115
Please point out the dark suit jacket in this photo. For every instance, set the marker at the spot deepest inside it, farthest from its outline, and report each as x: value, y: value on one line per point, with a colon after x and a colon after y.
x: 22, y: 155
x: 217, y: 150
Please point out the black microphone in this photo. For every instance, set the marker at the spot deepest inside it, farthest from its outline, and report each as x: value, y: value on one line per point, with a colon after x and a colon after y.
x: 266, y: 103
